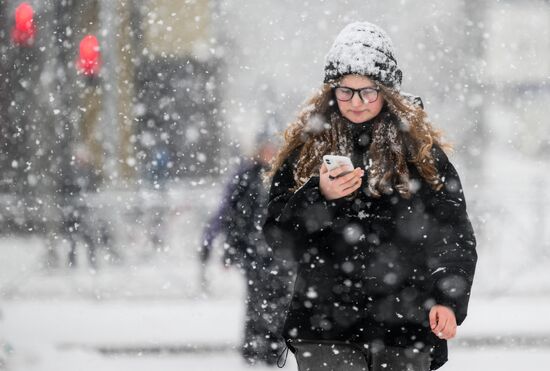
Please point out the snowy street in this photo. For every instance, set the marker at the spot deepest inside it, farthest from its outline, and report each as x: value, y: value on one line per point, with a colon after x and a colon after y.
x: 152, y: 316
x: 68, y: 334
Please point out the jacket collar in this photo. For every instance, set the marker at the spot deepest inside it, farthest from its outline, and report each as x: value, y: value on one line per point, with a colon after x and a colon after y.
x: 361, y: 134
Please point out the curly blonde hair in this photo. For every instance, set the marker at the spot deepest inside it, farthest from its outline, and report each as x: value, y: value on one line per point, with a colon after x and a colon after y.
x: 401, y: 134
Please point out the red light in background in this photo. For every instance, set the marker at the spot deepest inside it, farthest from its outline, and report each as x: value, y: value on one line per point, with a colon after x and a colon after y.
x: 24, y: 31
x: 89, y: 58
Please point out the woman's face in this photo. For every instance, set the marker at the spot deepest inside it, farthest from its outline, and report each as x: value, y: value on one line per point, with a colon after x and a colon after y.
x: 359, y: 110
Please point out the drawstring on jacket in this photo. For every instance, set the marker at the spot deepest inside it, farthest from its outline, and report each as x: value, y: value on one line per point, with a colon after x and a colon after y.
x: 285, y: 349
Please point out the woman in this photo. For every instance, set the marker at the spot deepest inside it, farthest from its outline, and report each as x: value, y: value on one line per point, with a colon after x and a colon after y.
x: 386, y: 253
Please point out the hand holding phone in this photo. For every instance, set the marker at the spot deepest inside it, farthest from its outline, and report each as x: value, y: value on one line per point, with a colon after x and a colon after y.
x: 333, y: 162
x: 338, y: 178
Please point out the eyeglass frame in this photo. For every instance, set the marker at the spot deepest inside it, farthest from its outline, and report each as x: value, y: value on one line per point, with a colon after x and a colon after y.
x: 358, y: 91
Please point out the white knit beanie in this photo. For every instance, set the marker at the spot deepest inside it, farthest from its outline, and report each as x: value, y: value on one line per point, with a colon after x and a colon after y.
x: 365, y: 49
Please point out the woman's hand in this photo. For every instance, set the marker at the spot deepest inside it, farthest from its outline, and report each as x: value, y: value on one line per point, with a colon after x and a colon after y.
x: 443, y: 322
x: 334, y: 186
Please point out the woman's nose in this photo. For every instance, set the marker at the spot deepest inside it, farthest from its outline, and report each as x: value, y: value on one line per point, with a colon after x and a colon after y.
x: 356, y: 100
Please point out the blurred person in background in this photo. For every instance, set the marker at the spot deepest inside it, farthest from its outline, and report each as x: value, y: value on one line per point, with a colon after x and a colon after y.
x: 78, y: 181
x: 269, y: 279
x: 385, y: 248
x: 159, y: 171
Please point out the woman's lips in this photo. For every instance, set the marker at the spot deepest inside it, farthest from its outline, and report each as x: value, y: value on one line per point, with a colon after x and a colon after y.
x: 358, y: 112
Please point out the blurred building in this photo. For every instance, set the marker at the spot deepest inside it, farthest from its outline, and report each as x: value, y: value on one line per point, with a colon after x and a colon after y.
x: 150, y: 116
x: 517, y: 75
x: 177, y: 77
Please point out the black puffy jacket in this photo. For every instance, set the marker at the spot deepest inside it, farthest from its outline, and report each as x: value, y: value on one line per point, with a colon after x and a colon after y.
x: 370, y: 269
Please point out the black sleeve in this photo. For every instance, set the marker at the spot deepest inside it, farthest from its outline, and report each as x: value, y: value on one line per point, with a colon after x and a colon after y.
x: 227, y: 209
x: 294, y: 219
x: 451, y: 245
x: 225, y: 220
x: 218, y: 222
x: 235, y: 195
x: 237, y: 220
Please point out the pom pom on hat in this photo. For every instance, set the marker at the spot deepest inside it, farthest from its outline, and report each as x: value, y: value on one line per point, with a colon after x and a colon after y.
x: 363, y: 48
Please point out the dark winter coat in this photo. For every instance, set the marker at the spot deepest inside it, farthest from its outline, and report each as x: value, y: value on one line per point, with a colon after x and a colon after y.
x: 370, y: 269
x: 246, y: 214
x: 240, y: 218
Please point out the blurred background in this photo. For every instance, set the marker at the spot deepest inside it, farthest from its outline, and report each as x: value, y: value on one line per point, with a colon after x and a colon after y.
x: 121, y: 121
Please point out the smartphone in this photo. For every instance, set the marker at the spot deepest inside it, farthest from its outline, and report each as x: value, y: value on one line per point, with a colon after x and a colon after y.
x: 333, y: 161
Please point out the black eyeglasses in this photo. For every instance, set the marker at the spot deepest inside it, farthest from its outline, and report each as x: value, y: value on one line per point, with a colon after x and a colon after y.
x: 346, y: 94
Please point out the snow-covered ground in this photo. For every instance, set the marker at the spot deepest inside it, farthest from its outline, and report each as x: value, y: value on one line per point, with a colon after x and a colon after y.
x: 153, y: 315
x: 202, y: 334
x: 472, y: 360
